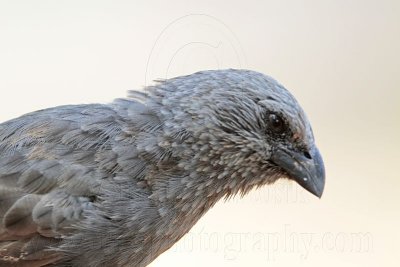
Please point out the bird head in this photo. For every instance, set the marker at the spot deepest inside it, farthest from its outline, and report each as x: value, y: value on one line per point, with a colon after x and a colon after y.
x: 242, y: 129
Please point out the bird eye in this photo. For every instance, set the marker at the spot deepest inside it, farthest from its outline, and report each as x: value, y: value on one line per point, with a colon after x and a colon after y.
x: 276, y: 123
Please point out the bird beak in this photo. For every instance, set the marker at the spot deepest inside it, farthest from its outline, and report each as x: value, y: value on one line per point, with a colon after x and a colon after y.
x: 306, y: 169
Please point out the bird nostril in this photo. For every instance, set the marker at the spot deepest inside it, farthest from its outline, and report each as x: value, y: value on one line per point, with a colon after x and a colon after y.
x: 307, y: 155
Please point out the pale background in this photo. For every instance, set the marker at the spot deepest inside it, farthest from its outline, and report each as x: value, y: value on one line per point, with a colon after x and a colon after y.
x: 339, y: 58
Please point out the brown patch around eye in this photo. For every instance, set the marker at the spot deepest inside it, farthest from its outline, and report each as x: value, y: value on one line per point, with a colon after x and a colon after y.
x: 296, y: 136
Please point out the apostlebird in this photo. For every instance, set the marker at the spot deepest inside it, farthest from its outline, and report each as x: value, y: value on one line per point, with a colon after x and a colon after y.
x: 118, y: 184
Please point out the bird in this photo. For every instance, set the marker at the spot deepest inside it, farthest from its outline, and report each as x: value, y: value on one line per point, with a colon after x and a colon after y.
x: 118, y: 184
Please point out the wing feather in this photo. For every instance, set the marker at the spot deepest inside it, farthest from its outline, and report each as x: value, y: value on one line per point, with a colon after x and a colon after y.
x: 51, y: 165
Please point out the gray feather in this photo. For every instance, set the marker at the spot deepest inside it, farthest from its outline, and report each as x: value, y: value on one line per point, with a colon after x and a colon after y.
x: 118, y: 184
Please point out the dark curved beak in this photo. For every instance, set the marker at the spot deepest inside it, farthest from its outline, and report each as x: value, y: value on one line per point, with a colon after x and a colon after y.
x: 306, y: 168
